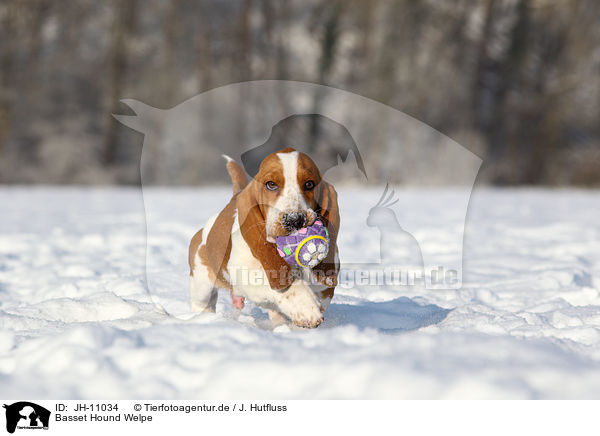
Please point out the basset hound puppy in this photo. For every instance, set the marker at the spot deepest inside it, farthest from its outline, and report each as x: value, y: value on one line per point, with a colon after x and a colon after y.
x: 236, y: 248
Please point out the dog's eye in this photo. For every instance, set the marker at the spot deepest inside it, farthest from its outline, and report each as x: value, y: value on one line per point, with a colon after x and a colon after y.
x: 271, y: 186
x: 309, y: 186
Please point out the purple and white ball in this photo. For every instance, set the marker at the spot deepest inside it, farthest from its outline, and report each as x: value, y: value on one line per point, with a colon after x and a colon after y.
x: 306, y: 247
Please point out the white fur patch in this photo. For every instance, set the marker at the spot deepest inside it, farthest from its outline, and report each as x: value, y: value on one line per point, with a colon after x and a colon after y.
x: 291, y: 198
x: 201, y: 288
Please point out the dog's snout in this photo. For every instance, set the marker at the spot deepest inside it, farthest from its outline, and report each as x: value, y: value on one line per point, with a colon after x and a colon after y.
x: 294, y: 220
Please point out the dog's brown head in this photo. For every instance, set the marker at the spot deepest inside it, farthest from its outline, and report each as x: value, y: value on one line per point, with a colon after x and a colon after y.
x: 286, y: 194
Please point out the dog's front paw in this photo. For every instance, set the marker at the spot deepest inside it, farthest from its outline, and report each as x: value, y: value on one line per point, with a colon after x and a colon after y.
x: 310, y: 317
x: 308, y: 323
x: 301, y: 305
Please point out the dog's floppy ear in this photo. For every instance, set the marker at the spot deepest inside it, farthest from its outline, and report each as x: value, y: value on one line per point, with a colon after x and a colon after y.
x: 326, y: 272
x: 328, y: 209
x: 253, y: 228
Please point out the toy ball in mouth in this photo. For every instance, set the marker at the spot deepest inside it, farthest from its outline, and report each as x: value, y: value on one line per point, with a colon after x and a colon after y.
x: 306, y: 247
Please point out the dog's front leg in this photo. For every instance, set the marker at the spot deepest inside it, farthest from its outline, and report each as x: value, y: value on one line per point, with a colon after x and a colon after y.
x: 300, y: 304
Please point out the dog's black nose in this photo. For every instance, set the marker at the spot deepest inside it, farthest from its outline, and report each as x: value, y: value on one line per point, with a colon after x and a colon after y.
x: 294, y: 220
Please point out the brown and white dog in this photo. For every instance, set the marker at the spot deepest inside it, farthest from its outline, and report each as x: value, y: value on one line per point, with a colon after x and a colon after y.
x: 236, y: 248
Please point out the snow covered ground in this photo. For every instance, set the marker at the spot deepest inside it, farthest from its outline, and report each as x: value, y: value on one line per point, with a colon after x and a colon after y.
x: 77, y: 321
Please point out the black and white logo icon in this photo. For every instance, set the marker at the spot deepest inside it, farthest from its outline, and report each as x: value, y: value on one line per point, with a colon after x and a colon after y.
x: 26, y: 415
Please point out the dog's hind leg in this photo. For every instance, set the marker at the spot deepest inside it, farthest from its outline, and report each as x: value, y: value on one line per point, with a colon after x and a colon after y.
x: 203, y: 292
x: 203, y: 288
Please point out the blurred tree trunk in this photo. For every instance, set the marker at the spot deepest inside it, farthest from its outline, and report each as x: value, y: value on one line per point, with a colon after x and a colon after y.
x: 124, y: 12
x: 494, y: 78
x: 7, y: 47
x: 245, y: 43
x: 364, y: 53
x: 268, y: 51
x: 513, y: 77
x: 242, y: 61
x: 168, y: 75
x: 482, y: 94
x: 284, y: 19
x: 205, y: 56
x: 329, y: 42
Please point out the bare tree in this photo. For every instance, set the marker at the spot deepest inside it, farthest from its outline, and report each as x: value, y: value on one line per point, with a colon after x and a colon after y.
x: 123, y: 22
